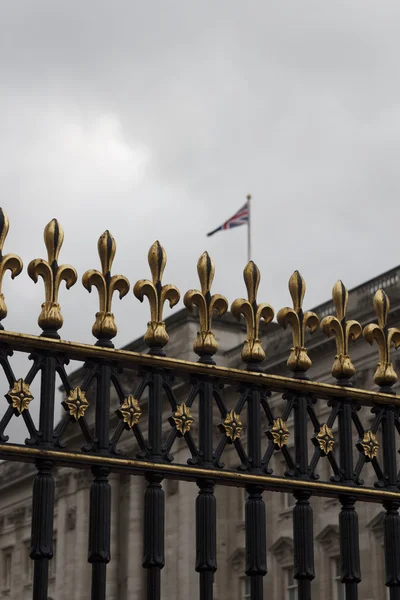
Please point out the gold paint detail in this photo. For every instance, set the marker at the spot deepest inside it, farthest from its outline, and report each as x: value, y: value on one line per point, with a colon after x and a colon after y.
x: 369, y: 444
x: 205, y: 344
x: 233, y: 425
x: 131, y: 360
x: 325, y: 438
x: 130, y: 411
x: 52, y: 274
x: 299, y: 361
x: 343, y: 330
x: 8, y: 262
x: 384, y: 337
x: 20, y: 396
x: 76, y: 403
x: 157, y: 294
x: 183, y: 418
x: 279, y: 433
x: 104, y: 327
x: 235, y: 478
x: 253, y: 313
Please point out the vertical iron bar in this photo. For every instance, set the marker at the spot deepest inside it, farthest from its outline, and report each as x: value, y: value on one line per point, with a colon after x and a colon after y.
x: 348, y: 518
x: 255, y: 519
x: 349, y: 547
x: 41, y: 548
x: 391, y: 522
x: 100, y: 491
x: 303, y: 538
x: 206, y: 537
x: 154, y: 501
x: 206, y: 510
x: 153, y: 556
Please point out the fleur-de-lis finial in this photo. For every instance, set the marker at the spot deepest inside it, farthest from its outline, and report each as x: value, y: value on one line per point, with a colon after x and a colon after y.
x: 205, y: 345
x: 9, y: 262
x: 343, y: 330
x: 385, y: 375
x: 104, y: 328
x: 252, y: 312
x: 156, y: 335
x: 50, y: 319
x: 299, y: 361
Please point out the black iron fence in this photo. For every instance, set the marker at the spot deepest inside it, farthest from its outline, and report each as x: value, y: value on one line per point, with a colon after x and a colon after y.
x: 206, y: 440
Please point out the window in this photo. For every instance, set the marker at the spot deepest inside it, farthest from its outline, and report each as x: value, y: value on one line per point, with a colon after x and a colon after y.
x: 338, y: 588
x: 28, y: 564
x: 245, y: 589
x: 290, y: 585
x: 6, y: 568
x: 288, y: 500
x: 53, y: 561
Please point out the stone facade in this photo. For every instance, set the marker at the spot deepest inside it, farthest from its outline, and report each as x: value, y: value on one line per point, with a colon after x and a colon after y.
x: 70, y: 572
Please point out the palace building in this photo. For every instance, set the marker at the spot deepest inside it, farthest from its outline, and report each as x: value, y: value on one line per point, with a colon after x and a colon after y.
x: 70, y: 573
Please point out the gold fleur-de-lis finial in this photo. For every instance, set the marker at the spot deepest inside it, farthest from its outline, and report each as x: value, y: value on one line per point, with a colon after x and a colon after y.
x: 253, y: 352
x: 385, y: 375
x: 299, y: 361
x: 50, y: 319
x: 205, y: 345
x: 156, y: 335
x: 9, y: 262
x: 104, y: 328
x: 343, y: 330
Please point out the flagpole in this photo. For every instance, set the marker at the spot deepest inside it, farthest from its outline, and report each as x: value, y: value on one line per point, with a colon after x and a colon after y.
x: 248, y: 229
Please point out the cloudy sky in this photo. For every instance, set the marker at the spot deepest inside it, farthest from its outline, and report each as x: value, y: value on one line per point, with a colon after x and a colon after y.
x: 155, y: 119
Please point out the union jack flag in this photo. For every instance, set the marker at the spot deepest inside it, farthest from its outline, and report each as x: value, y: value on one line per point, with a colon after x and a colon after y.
x: 241, y: 217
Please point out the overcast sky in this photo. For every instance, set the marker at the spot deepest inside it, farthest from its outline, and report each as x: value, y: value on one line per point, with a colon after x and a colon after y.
x: 155, y: 119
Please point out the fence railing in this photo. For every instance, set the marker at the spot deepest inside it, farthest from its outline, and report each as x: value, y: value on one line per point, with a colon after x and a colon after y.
x: 216, y: 407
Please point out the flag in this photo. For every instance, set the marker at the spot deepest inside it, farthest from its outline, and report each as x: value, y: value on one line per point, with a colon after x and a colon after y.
x: 241, y: 217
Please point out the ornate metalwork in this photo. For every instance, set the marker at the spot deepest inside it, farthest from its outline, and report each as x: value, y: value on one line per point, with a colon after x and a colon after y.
x: 253, y: 352
x: 325, y: 438
x: 50, y: 319
x: 205, y: 345
x: 8, y: 262
x: 343, y: 330
x: 129, y: 411
x: 156, y: 335
x: 233, y: 426
x: 104, y: 328
x: 76, y: 403
x: 369, y: 444
x: 19, y: 396
x: 183, y: 418
x: 299, y: 361
x: 385, y: 375
x: 279, y: 433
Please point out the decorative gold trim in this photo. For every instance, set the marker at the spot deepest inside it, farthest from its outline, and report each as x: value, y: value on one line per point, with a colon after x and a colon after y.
x: 325, y: 438
x: 233, y: 425
x: 279, y: 433
x: 343, y: 331
x: 183, y: 418
x: 252, y: 352
x: 131, y: 360
x: 157, y: 294
x: 384, y: 375
x: 129, y: 411
x: 299, y: 361
x: 205, y: 344
x: 104, y: 327
x: 369, y: 444
x: 76, y: 403
x: 50, y: 319
x: 19, y: 396
x: 8, y: 262
x: 235, y: 478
